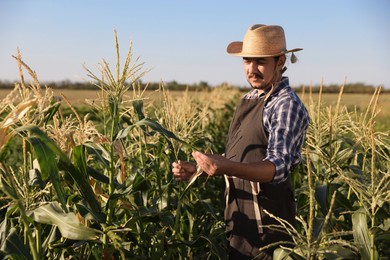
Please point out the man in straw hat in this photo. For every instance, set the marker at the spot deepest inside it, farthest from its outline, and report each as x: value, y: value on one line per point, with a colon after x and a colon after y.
x: 263, y: 146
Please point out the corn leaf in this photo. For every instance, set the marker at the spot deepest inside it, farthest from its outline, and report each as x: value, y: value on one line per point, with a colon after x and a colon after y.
x: 79, y: 159
x: 50, y: 112
x: 361, y: 233
x: 99, y: 151
x: 321, y: 195
x: 14, y: 246
x: 139, y: 108
x: 8, y: 189
x: 4, y: 138
x: 18, y: 113
x: 193, y: 178
x: 203, y: 241
x: 3, y: 230
x: 281, y: 254
x: 99, y: 176
x: 67, y: 223
x: 35, y: 178
x: 89, y: 214
x: 318, y: 226
x: 48, y: 164
x: 53, y: 236
x: 153, y: 125
x: 47, y: 160
x: 157, y: 127
x: 339, y: 252
x: 45, y: 146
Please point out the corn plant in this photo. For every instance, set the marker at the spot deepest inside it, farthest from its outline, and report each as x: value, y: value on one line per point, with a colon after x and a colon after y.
x: 342, y: 188
x: 104, y: 189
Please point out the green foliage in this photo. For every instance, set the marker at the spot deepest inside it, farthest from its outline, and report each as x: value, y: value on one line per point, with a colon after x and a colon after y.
x: 101, y: 187
x: 344, y: 194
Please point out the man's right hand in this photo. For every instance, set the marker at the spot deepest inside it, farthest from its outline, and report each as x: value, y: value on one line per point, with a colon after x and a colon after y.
x: 183, y: 171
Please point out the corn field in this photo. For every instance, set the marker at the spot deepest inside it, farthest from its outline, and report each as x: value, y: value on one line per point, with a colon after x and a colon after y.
x: 99, y: 185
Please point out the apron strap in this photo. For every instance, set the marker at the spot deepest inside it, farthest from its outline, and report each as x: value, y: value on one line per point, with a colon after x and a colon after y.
x: 255, y: 192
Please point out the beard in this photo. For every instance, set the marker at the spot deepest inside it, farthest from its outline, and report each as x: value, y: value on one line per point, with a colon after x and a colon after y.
x: 260, y: 85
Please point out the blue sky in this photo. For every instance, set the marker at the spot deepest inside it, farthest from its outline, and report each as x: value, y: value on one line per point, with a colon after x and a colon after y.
x: 186, y: 40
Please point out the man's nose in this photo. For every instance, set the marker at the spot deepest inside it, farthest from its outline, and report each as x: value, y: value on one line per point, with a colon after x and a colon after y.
x: 253, y: 66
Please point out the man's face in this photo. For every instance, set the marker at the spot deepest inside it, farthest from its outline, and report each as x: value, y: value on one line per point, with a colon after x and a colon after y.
x: 259, y: 71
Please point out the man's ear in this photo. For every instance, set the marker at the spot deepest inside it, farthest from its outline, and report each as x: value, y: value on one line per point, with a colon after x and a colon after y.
x: 281, y: 60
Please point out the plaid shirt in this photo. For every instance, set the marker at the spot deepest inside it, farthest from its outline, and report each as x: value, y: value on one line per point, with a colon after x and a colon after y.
x: 285, y: 121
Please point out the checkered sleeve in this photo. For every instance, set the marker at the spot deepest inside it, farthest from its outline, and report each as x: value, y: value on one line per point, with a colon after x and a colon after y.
x: 287, y: 125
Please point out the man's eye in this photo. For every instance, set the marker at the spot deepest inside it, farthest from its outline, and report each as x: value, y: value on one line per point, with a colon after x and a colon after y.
x: 256, y: 61
x: 260, y: 61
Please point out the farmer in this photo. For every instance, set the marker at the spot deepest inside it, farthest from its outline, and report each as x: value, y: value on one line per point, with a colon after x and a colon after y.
x: 263, y: 147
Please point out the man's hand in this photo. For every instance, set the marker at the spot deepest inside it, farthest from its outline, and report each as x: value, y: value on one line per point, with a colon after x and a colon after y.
x: 212, y: 164
x: 183, y: 171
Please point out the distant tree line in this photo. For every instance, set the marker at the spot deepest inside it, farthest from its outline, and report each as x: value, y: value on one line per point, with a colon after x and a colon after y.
x: 361, y: 88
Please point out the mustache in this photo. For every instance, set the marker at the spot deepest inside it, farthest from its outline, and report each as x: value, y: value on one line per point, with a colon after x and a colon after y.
x: 255, y: 75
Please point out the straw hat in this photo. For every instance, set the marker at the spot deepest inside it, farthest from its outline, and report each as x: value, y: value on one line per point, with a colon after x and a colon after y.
x: 261, y: 41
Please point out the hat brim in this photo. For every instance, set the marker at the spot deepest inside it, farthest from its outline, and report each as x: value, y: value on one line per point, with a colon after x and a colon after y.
x: 235, y: 49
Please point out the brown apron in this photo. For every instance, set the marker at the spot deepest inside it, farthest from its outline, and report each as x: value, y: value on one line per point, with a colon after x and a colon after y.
x: 246, y: 200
